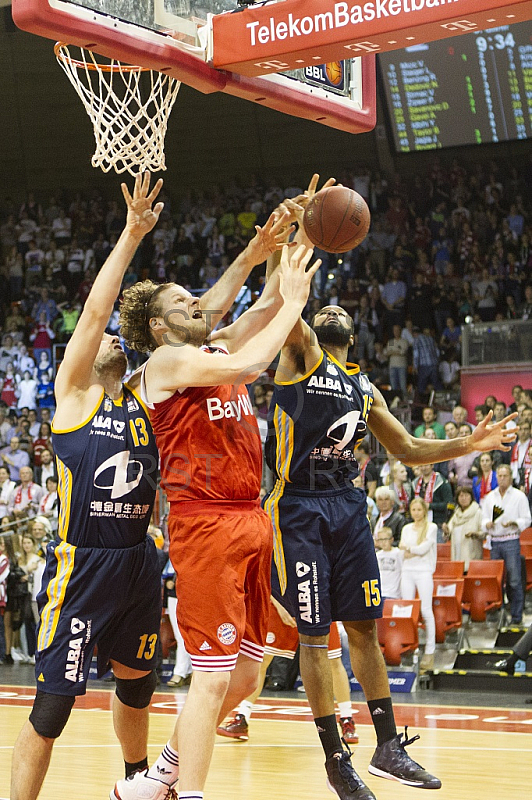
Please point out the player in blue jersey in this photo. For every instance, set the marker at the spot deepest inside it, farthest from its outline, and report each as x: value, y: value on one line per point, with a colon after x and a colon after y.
x: 324, y: 556
x: 101, y: 583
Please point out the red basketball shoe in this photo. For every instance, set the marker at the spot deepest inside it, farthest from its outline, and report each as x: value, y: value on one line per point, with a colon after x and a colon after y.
x: 236, y: 729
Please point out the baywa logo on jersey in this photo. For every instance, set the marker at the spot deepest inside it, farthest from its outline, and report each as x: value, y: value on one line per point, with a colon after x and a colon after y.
x: 302, y: 569
x: 226, y: 633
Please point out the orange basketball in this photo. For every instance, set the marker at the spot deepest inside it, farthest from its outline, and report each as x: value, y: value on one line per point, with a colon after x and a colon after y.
x: 334, y: 72
x: 337, y: 219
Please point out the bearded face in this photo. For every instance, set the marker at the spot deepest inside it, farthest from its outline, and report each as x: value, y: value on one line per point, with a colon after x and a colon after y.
x: 111, y: 359
x: 333, y: 326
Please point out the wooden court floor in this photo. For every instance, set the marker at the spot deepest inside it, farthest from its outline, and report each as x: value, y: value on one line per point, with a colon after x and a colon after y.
x: 479, y: 753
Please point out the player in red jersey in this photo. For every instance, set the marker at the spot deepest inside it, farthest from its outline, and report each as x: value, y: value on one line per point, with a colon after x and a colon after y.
x: 211, y: 460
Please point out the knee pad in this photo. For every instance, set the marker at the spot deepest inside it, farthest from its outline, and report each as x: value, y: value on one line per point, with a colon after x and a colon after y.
x: 50, y: 713
x: 136, y: 692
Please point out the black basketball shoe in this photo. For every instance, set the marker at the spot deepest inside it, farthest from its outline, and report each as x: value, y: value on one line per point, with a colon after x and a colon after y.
x: 391, y: 761
x: 343, y: 780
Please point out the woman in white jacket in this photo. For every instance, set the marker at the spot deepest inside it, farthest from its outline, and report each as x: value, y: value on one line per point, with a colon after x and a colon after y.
x: 418, y: 541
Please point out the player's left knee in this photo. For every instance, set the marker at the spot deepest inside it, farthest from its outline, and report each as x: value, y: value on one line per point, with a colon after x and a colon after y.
x: 136, y: 692
x: 362, y: 629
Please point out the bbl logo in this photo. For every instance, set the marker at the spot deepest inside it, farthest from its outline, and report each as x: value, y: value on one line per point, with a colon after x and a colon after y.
x: 330, y: 76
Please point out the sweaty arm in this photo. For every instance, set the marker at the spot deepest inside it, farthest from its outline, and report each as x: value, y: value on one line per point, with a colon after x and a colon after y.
x: 177, y: 366
x: 76, y: 372
x: 411, y: 451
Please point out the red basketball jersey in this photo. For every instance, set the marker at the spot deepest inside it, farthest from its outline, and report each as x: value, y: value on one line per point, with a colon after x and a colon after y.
x: 209, y: 444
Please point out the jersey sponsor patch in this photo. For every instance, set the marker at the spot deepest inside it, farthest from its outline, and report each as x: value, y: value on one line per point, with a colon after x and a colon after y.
x: 232, y: 408
x: 75, y: 655
x: 302, y: 569
x: 226, y: 633
x: 365, y: 383
x: 205, y: 646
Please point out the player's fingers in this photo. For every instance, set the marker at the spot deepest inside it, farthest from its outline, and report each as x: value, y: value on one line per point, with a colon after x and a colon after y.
x: 155, y: 191
x: 158, y: 208
x: 313, y: 184
x: 329, y: 182
x: 125, y: 192
x: 138, y: 184
x: 314, y: 268
x: 145, y: 182
x: 485, y: 422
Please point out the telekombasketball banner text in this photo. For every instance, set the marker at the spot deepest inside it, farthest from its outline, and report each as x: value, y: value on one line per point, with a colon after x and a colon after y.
x: 296, y: 33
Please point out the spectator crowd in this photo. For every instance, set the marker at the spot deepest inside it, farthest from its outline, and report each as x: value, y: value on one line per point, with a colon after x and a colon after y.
x: 446, y: 247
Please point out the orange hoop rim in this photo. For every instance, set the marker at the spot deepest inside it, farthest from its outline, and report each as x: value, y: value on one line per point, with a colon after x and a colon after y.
x: 94, y: 66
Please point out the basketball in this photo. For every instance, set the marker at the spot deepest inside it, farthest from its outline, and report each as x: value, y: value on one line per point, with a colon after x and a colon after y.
x: 334, y: 72
x: 337, y: 219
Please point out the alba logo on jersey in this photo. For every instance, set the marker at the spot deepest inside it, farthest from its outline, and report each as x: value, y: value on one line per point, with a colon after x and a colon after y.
x: 355, y: 428
x: 123, y: 469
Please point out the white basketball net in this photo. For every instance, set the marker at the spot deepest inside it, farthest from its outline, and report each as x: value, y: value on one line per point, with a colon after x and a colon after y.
x: 129, y: 129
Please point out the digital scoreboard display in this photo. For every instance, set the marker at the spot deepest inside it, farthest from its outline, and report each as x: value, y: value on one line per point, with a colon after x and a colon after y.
x: 470, y: 89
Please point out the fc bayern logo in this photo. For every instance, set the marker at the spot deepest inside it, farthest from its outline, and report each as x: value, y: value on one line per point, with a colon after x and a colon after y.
x: 270, y: 637
x: 227, y: 633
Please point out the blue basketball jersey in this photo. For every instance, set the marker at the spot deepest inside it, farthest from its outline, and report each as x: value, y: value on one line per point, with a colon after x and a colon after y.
x: 107, y: 471
x: 315, y: 424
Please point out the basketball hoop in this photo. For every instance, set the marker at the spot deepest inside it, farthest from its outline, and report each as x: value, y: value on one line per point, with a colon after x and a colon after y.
x: 129, y: 111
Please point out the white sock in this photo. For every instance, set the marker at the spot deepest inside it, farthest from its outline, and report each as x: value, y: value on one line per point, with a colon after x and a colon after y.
x: 345, y: 709
x: 166, y: 768
x: 245, y: 708
x: 190, y: 795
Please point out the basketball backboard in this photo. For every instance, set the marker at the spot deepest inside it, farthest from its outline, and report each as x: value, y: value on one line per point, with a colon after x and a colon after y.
x: 175, y: 37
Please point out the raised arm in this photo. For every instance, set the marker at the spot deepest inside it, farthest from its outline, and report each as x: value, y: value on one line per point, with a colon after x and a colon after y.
x: 268, y: 239
x: 270, y: 301
x: 411, y: 451
x: 82, y: 349
x: 177, y: 366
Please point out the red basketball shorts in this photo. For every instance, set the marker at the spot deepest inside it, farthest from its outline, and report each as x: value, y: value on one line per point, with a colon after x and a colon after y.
x: 282, y: 640
x: 221, y: 553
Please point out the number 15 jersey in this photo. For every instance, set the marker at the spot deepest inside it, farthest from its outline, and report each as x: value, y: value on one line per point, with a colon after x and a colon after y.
x: 315, y: 424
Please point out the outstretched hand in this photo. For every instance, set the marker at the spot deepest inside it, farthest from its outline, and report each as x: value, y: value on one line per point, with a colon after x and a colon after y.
x: 271, y: 237
x: 493, y: 437
x: 141, y: 217
x: 295, y: 279
x: 296, y: 206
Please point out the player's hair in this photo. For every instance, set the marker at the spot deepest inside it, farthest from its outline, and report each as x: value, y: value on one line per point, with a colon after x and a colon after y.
x: 422, y: 535
x: 139, y: 304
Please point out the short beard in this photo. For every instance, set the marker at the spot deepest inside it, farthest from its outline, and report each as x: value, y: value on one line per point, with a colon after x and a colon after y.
x: 335, y: 335
x: 194, y: 335
x: 113, y: 364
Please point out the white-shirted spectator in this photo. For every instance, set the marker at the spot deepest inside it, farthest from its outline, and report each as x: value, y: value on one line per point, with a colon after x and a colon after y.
x: 25, y: 498
x: 6, y: 488
x: 505, y: 513
x: 418, y: 541
x: 390, y: 560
